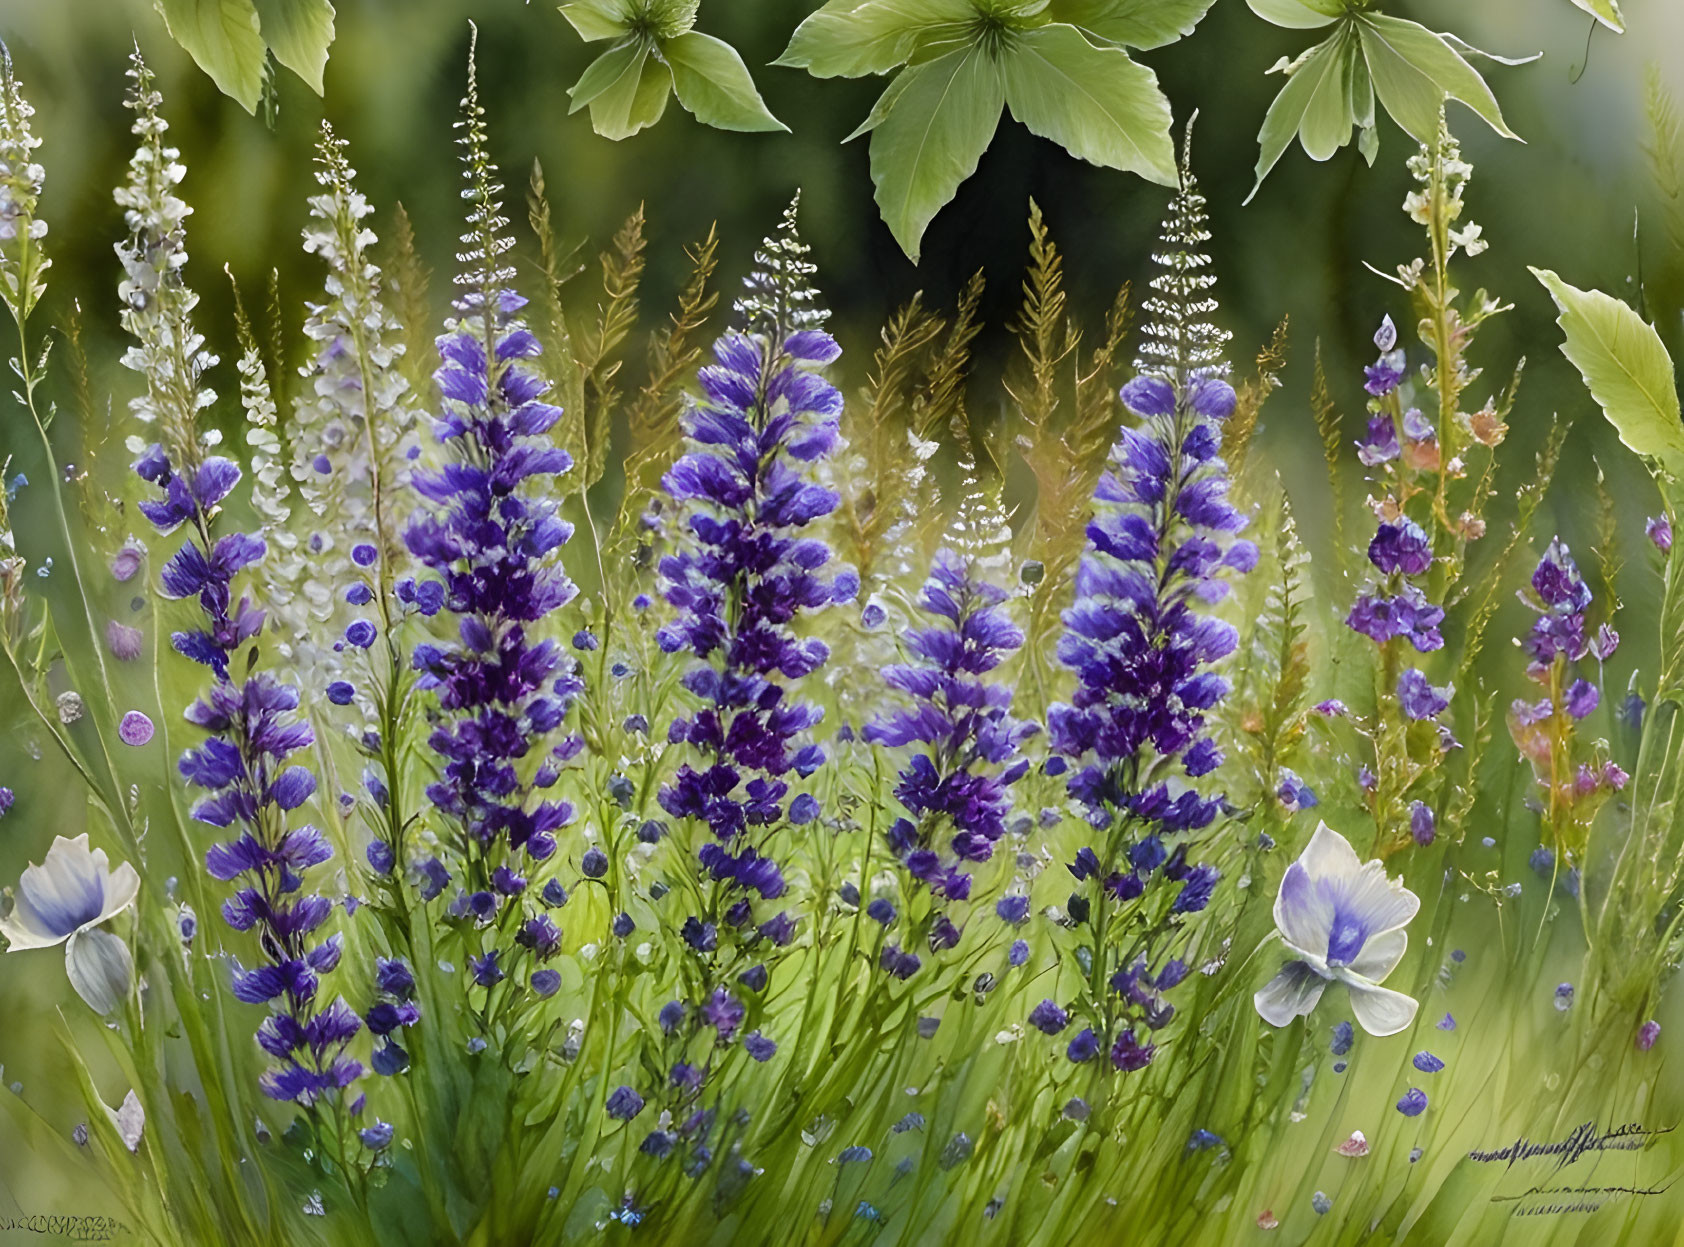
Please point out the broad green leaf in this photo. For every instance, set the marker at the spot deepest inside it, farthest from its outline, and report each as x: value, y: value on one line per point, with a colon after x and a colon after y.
x: 931, y: 139
x: 1327, y: 116
x: 1359, y: 89
x: 1605, y: 11
x: 853, y: 38
x: 299, y: 33
x: 1298, y: 14
x: 881, y: 108
x: 604, y: 72
x: 597, y: 19
x: 635, y: 99
x: 714, y: 84
x: 224, y: 38
x: 1143, y: 24
x: 1414, y: 70
x: 1627, y: 369
x: 1286, y: 114
x: 1094, y: 102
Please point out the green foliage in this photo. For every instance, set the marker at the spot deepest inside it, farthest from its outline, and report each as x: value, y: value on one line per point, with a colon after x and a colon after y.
x: 1062, y: 68
x: 1331, y: 88
x: 656, y: 54
x: 1605, y: 11
x: 232, y: 40
x: 1629, y: 373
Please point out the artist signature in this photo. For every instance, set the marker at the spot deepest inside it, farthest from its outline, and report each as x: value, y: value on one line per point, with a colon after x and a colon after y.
x: 1584, y: 1140
x: 75, y: 1227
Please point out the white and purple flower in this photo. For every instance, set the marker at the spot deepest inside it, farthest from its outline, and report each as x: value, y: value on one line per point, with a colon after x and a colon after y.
x: 1344, y: 920
x: 65, y: 900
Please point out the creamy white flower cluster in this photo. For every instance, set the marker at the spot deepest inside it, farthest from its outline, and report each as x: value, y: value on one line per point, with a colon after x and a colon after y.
x: 157, y: 304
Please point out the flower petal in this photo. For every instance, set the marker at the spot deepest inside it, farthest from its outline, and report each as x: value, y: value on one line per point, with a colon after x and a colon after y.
x: 1304, y: 912
x: 1379, y: 1010
x: 100, y: 969
x: 1380, y: 955
x: 1378, y: 903
x: 66, y: 891
x: 1290, y: 994
x: 121, y: 888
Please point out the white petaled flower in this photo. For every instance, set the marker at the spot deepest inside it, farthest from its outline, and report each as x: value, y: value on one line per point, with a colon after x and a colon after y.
x: 63, y: 901
x: 1344, y: 920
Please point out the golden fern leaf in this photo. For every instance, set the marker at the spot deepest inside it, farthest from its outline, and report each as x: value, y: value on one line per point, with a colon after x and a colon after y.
x: 941, y: 401
x: 674, y: 352
x: 622, y: 270
x: 1097, y: 386
x: 1241, y: 427
x: 559, y: 268
x: 406, y: 291
x: 1332, y: 443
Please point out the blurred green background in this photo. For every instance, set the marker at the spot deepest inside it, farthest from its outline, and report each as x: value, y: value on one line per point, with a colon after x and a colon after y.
x: 1577, y: 196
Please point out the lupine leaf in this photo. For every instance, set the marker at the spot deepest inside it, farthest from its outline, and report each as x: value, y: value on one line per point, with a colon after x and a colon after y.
x: 635, y: 100
x: 299, y: 33
x: 1286, y: 115
x: 1094, y: 102
x: 932, y: 137
x: 1327, y: 116
x: 1414, y: 69
x: 1298, y: 14
x: 603, y: 73
x: 596, y: 19
x: 224, y: 39
x: 852, y: 38
x: 1605, y: 11
x: 1143, y: 24
x: 1626, y: 367
x: 713, y: 83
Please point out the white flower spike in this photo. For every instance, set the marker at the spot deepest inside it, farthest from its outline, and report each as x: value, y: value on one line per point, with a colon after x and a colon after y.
x: 63, y: 901
x: 1344, y: 920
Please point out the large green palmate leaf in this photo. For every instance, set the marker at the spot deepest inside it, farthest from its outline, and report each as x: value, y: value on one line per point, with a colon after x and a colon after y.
x: 1142, y: 24
x: 1094, y: 102
x: 1414, y: 70
x: 1333, y: 86
x: 224, y: 38
x: 657, y: 54
x: 712, y: 82
x: 853, y: 38
x: 931, y: 136
x: 299, y: 33
x: 1628, y: 371
x: 1298, y: 14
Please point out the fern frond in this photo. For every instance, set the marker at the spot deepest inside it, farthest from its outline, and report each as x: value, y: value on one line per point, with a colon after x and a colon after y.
x: 1043, y: 330
x: 407, y: 291
x: 559, y: 268
x: 1241, y: 427
x: 941, y: 403
x: 1332, y: 443
x: 1528, y: 499
x: 1666, y: 156
x: 674, y: 352
x: 1607, y: 548
x: 875, y: 491
x: 622, y: 270
x: 1098, y: 384
x: 270, y: 495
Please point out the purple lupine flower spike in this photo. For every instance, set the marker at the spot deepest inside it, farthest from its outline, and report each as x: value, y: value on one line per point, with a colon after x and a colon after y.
x: 1160, y: 546
x: 964, y: 742
x: 490, y: 533
x: 748, y: 571
x: 741, y: 577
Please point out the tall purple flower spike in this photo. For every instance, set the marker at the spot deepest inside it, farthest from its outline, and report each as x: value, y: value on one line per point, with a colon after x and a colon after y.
x: 252, y: 730
x: 1342, y: 919
x: 745, y: 575
x: 491, y: 534
x: 1161, y: 543
x: 964, y: 742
